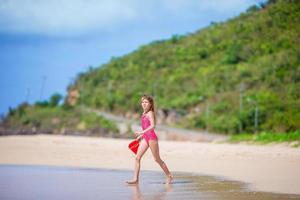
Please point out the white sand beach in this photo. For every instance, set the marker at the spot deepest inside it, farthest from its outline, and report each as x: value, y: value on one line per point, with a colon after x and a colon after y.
x: 270, y: 168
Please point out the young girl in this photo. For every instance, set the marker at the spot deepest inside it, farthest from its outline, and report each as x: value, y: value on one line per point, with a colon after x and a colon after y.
x: 149, y: 139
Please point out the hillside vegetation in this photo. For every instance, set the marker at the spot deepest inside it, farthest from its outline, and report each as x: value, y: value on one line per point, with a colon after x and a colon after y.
x: 220, y: 78
x: 233, y: 77
x: 52, y: 118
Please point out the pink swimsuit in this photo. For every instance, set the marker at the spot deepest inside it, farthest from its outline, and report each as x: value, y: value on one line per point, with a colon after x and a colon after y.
x: 149, y: 135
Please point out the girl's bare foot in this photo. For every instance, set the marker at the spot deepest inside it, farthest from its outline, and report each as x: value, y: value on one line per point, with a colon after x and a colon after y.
x: 133, y: 182
x: 169, y: 179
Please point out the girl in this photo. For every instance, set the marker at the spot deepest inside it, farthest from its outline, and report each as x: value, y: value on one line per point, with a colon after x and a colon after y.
x: 149, y: 140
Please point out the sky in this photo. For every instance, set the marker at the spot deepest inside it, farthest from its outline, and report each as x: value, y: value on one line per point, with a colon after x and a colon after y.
x: 44, y: 44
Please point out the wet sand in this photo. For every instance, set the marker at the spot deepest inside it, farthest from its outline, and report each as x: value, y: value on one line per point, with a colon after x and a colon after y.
x: 270, y: 168
x: 43, y: 182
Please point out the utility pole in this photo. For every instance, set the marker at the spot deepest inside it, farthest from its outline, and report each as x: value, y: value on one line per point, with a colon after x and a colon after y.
x: 254, y: 102
x: 72, y: 80
x: 110, y: 100
x: 256, y: 117
x: 206, y: 114
x: 43, y: 86
x: 241, y: 90
x: 27, y: 95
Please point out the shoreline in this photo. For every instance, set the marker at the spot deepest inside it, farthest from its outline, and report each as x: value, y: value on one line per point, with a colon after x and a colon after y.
x: 269, y: 168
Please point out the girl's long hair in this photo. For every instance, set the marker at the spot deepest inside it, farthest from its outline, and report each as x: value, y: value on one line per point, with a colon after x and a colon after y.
x: 151, y: 101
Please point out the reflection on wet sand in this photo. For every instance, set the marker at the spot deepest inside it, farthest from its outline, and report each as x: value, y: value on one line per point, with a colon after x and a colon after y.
x: 138, y: 195
x: 189, y: 186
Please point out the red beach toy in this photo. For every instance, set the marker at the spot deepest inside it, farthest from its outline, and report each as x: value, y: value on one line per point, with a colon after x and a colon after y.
x: 133, y: 146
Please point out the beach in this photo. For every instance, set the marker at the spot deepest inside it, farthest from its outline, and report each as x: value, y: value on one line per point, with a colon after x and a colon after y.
x: 267, y: 168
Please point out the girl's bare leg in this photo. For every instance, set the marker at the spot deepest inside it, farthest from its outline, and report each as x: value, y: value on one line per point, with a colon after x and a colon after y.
x: 141, y: 150
x: 155, y: 152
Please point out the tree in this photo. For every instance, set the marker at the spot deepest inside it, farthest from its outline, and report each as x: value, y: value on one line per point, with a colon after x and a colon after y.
x: 55, y: 99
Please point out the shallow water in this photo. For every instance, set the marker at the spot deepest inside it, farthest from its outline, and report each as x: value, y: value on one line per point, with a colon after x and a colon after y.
x: 43, y: 182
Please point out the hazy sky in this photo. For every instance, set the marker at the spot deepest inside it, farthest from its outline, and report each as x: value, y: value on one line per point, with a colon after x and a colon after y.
x: 45, y: 43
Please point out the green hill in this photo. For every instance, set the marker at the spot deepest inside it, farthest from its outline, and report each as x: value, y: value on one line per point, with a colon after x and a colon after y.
x: 213, y: 78
x: 238, y: 76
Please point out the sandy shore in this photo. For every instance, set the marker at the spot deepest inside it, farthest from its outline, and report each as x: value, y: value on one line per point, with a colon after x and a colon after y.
x: 272, y: 168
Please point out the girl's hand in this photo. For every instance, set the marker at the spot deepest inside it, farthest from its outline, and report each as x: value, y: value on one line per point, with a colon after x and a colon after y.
x: 139, y: 137
x: 137, y: 134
